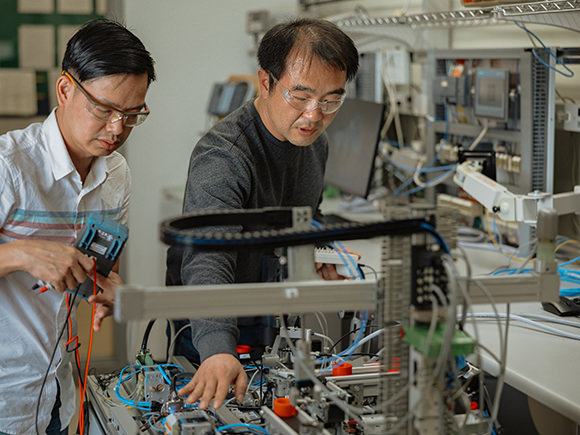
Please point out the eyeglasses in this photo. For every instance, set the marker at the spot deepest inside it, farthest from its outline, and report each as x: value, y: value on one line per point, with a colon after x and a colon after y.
x: 309, y: 104
x: 109, y: 114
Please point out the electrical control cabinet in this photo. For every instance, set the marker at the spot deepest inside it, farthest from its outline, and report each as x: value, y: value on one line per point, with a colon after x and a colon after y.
x: 499, y: 102
x: 510, y: 93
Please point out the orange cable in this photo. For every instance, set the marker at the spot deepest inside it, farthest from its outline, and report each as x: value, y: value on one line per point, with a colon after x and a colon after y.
x: 566, y: 243
x: 83, y: 387
x: 71, y: 338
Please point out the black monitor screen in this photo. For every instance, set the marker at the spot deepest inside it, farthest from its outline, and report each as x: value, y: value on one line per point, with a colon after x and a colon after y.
x: 353, y: 138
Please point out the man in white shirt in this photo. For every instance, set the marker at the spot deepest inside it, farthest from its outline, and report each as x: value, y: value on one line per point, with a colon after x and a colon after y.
x: 53, y: 175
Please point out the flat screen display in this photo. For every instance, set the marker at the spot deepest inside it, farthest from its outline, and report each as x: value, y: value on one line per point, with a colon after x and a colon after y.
x: 353, y: 138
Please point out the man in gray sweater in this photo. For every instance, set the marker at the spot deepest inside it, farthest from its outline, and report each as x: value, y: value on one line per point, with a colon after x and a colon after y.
x: 269, y: 153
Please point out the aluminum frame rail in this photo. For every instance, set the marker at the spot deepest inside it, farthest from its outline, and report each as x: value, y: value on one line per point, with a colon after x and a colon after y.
x: 565, y: 14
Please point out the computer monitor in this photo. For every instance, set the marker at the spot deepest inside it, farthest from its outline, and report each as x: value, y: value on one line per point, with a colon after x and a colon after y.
x: 227, y: 97
x: 353, y: 138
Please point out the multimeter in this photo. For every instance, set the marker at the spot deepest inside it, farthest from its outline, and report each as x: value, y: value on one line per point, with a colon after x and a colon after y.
x: 103, y: 239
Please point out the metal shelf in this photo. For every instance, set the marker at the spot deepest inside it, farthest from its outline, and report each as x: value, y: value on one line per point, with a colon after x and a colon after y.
x: 565, y: 14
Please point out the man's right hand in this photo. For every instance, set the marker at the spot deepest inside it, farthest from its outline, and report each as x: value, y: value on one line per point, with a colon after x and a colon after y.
x: 60, y: 265
x: 213, y: 380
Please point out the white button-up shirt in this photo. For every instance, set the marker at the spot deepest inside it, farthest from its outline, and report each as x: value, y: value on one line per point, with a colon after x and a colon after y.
x: 42, y: 197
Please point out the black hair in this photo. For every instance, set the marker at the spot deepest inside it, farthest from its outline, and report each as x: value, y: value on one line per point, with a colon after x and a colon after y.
x: 105, y: 47
x: 316, y: 37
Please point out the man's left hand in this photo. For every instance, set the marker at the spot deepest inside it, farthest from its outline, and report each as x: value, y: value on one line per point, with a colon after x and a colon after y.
x: 213, y: 379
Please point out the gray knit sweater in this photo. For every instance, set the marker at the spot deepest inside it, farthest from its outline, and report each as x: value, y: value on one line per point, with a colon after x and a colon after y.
x: 238, y: 164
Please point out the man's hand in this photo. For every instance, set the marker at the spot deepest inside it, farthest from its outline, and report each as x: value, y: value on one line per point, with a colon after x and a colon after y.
x: 328, y: 272
x: 105, y: 300
x: 62, y: 266
x: 213, y: 380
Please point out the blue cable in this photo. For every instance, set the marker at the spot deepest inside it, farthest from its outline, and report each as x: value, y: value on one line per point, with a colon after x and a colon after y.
x: 490, y: 423
x: 152, y: 425
x: 255, y: 429
x: 251, y: 368
x: 140, y: 405
x: 347, y: 353
x: 569, y: 272
x: 439, y: 168
x: 570, y: 261
x: 405, y: 183
x: 510, y: 271
x: 504, y: 271
x: 137, y: 404
x: 397, y: 191
x: 180, y: 384
x: 570, y: 72
x: 423, y: 169
x: 570, y: 292
x: 566, y: 278
x: 573, y: 277
x: 436, y: 236
x: 424, y: 186
x: 569, y: 277
x: 164, y: 375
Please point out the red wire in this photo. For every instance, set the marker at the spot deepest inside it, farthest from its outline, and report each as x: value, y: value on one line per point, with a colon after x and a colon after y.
x: 83, y: 387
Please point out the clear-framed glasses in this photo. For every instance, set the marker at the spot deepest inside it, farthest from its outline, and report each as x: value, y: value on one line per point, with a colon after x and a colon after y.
x: 109, y: 114
x: 305, y: 104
